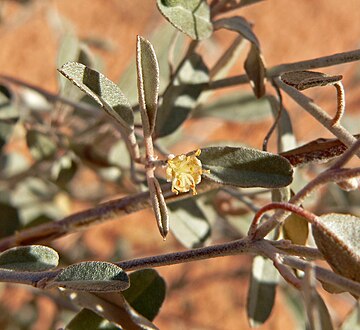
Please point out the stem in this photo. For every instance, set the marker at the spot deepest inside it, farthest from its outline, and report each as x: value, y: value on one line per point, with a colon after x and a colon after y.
x: 318, y: 113
x: 340, y: 93
x: 329, y: 175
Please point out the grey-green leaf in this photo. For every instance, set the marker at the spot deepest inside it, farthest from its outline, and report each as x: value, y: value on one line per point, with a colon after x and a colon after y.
x: 189, y: 16
x: 40, y: 144
x: 148, y: 80
x: 146, y: 293
x: 262, y: 290
x: 237, y: 106
x: 87, y: 319
x: 105, y: 92
x: 93, y: 276
x: 246, y: 167
x: 188, y: 223
x: 34, y: 258
x: 338, y: 238
x: 180, y: 98
x: 238, y: 24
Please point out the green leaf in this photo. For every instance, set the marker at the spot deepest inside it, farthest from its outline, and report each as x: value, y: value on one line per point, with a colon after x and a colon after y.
x: 255, y: 70
x: 113, y: 307
x: 188, y: 223
x: 237, y: 106
x: 180, y: 98
x: 146, y: 293
x: 40, y: 144
x: 93, y: 276
x: 238, y: 24
x: 189, y: 16
x: 63, y: 170
x: 106, y: 93
x: 296, y: 229
x: 86, y: 319
x: 262, y: 290
x: 245, y: 167
x: 9, y: 218
x: 34, y: 258
x: 338, y: 238
x: 148, y: 81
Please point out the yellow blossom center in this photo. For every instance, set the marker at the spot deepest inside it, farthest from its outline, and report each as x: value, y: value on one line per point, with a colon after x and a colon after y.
x: 184, y: 172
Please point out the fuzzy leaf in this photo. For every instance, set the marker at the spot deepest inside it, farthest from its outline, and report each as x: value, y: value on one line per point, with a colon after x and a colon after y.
x: 338, y: 238
x: 180, y: 98
x: 188, y: 223
x: 146, y: 293
x: 93, y: 276
x: 148, y: 80
x: 262, y: 290
x: 246, y: 167
x: 189, y: 16
x: 34, y: 258
x: 106, y: 93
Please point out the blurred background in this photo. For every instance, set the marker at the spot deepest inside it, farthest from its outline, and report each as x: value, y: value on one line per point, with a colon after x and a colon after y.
x: 207, y: 294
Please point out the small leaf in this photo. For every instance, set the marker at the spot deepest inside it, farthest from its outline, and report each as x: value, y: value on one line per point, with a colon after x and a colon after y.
x: 238, y: 24
x: 86, y: 319
x: 338, y: 238
x: 237, y: 106
x: 34, y: 258
x: 40, y: 144
x: 262, y: 290
x: 306, y: 79
x: 188, y: 223
x: 106, y: 93
x: 245, y: 167
x: 148, y: 80
x: 189, y: 16
x: 255, y: 70
x: 180, y: 98
x: 114, y: 308
x: 146, y: 293
x: 94, y: 276
x: 9, y: 218
x: 296, y: 229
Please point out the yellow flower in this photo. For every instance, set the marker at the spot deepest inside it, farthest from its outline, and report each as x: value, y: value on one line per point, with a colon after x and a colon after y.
x: 184, y: 172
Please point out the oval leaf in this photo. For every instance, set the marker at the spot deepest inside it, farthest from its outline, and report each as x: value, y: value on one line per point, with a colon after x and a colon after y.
x: 87, y: 319
x: 146, y: 293
x: 245, y: 167
x: 296, y: 229
x: 189, y: 16
x: 180, y: 98
x: 34, y: 258
x: 105, y: 92
x: 338, y: 238
x: 262, y: 290
x: 94, y: 276
x: 188, y: 223
x: 148, y: 80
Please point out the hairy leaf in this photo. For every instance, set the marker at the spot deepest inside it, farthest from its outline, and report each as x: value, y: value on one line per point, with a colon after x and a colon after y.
x: 93, y: 276
x: 338, y: 238
x: 246, y: 167
x: 106, y: 93
x: 34, y: 258
x: 189, y: 16
x: 180, y: 98
x: 148, y: 81
x: 188, y: 223
x: 146, y: 292
x: 262, y: 290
